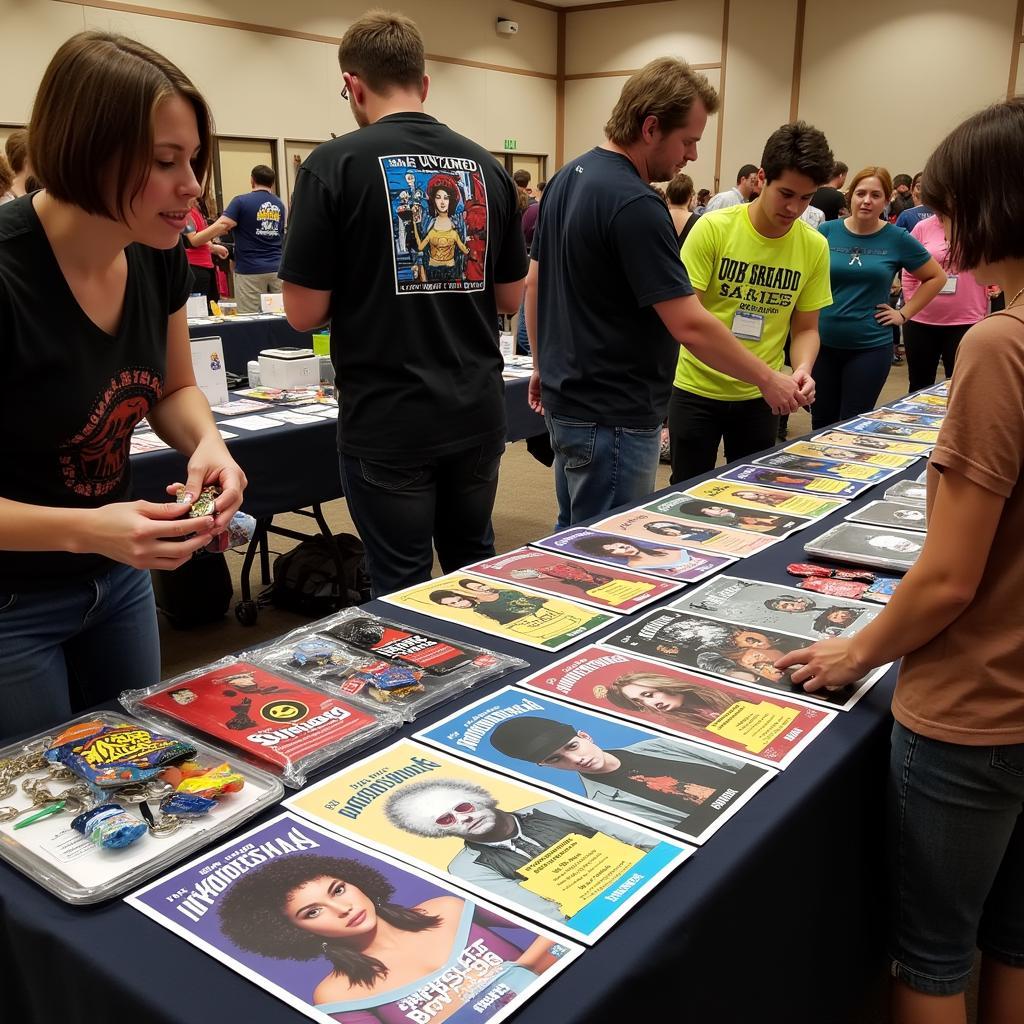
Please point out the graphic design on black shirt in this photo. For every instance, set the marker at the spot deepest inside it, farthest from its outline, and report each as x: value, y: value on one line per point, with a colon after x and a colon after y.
x: 94, y: 460
x: 438, y: 212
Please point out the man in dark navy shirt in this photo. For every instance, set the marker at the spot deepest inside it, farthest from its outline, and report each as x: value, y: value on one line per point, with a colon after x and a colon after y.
x: 609, y: 302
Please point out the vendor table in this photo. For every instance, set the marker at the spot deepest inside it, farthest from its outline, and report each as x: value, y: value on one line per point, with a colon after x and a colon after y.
x: 245, y: 337
x: 774, y: 919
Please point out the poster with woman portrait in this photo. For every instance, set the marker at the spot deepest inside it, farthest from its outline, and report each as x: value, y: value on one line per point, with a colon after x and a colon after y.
x: 575, y: 868
x: 647, y: 525
x: 743, y: 653
x: 819, y: 465
x: 516, y: 613
x: 899, y: 431
x: 811, y: 450
x: 789, y: 480
x: 765, y: 498
x: 841, y: 437
x: 613, y: 590
x: 684, y: 789
x: 767, y: 728
x: 719, y: 514
x: 653, y: 558
x: 343, y: 934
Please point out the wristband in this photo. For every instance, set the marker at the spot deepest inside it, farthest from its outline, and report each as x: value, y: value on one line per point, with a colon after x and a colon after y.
x: 903, y: 315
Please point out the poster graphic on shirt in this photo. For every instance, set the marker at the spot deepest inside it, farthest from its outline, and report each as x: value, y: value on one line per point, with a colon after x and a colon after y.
x: 92, y: 462
x: 647, y: 525
x: 438, y: 213
x: 770, y: 729
x: 652, y: 558
x: 720, y: 513
x: 515, y: 613
x: 574, y: 868
x: 673, y: 785
x: 776, y: 606
x: 854, y: 469
x: 863, y: 442
x: 740, y: 652
x: 614, y: 590
x: 767, y: 499
x: 296, y: 910
x: 812, y: 450
x: 788, y: 480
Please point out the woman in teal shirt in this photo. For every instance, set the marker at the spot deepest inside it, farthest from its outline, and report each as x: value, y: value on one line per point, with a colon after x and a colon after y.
x: 866, y: 254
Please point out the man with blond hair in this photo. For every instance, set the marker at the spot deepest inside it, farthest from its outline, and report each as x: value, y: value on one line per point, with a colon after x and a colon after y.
x: 407, y: 237
x: 609, y: 302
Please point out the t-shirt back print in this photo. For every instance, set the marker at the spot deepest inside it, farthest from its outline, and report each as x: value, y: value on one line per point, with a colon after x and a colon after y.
x: 438, y: 215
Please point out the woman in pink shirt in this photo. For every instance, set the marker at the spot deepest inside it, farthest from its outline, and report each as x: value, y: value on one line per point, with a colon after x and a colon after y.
x: 935, y: 331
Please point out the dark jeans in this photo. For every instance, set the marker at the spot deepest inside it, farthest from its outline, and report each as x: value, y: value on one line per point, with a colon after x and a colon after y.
x: 206, y: 283
x: 403, y: 508
x: 926, y: 344
x: 848, y: 382
x: 697, y: 426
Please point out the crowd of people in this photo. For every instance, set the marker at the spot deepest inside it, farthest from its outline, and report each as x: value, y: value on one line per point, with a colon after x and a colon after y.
x: 635, y: 308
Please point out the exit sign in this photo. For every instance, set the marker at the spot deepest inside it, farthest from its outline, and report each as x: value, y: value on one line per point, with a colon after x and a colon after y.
x: 511, y: 144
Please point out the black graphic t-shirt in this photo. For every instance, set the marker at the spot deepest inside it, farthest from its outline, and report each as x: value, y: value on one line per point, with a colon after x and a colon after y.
x: 410, y: 226
x: 677, y: 784
x: 73, y: 393
x: 607, y: 253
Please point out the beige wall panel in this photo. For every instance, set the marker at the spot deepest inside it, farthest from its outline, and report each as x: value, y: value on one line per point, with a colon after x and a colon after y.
x: 620, y: 39
x: 237, y: 159
x: 451, y: 28
x: 588, y: 102
x: 886, y: 91
x: 758, y: 80
x: 519, y: 108
x: 31, y: 34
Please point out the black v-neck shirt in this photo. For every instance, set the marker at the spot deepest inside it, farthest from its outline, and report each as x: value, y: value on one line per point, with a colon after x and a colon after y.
x: 72, y: 393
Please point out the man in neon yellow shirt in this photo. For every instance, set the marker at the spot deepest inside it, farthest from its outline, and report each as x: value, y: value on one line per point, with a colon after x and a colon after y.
x: 763, y: 273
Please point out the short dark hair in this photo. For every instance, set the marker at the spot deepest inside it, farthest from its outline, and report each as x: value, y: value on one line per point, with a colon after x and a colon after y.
x: 703, y: 195
x: 839, y: 168
x: 93, y: 115
x: 679, y: 189
x: 541, y: 185
x: 263, y: 175
x: 664, y: 88
x: 799, y: 147
x: 521, y: 178
x: 971, y: 179
x: 745, y: 172
x: 917, y: 179
x: 902, y: 179
x: 16, y: 149
x: 384, y: 49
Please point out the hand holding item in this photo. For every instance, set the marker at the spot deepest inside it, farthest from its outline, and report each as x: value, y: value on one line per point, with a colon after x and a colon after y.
x: 211, y: 464
x: 829, y: 664
x: 144, y: 534
x: 782, y: 393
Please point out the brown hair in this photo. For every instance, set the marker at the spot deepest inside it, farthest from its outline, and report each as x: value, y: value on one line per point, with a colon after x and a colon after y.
x: 870, y: 172
x: 384, y: 49
x: 971, y: 179
x: 93, y: 115
x: 666, y: 89
x: 679, y: 189
x: 16, y: 149
x: 6, y: 175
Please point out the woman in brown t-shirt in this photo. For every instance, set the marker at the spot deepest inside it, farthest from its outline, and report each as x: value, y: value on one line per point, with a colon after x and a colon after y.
x: 957, y: 619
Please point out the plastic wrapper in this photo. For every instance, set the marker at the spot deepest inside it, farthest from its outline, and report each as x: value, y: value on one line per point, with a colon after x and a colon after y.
x: 911, y: 492
x: 282, y: 725
x: 868, y: 545
x: 377, y: 662
x: 78, y: 869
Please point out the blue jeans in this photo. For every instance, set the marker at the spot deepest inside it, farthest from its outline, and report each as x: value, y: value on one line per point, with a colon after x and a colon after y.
x: 848, y: 382
x: 405, y: 509
x: 65, y: 649
x: 522, y: 338
x: 598, y: 468
x: 956, y: 854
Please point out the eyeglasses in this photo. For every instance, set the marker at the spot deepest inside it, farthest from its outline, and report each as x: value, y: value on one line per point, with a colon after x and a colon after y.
x: 344, y: 93
x: 448, y: 818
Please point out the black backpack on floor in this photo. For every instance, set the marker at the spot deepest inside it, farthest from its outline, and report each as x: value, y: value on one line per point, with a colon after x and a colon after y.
x: 196, y: 593
x: 307, y: 579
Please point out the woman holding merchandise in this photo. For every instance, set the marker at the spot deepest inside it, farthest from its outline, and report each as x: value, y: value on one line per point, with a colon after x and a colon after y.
x: 935, y: 331
x: 378, y: 952
x: 93, y: 283
x: 200, y: 253
x: 856, y: 330
x: 957, y: 620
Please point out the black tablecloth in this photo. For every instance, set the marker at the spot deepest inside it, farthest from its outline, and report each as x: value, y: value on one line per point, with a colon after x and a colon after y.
x: 295, y: 465
x: 775, y: 919
x: 243, y: 338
